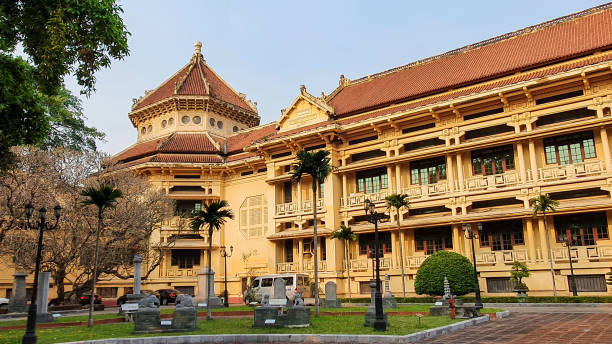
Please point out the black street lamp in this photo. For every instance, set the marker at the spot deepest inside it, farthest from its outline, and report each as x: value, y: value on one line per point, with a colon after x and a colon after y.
x: 568, y: 243
x: 225, y: 255
x: 30, y: 334
x: 373, y: 217
x: 470, y: 234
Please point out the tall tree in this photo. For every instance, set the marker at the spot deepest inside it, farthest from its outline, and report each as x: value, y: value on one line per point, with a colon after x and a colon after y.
x: 541, y: 205
x: 346, y: 234
x: 103, y: 197
x: 399, y: 202
x: 211, y: 217
x: 318, y: 165
x: 57, y: 39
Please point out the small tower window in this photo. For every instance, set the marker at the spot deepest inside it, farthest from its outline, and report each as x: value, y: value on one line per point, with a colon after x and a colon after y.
x: 220, y: 124
x: 164, y: 123
x: 212, y: 122
x: 171, y: 121
x: 150, y: 128
x: 197, y: 119
x: 185, y: 119
x: 235, y: 128
x: 143, y: 131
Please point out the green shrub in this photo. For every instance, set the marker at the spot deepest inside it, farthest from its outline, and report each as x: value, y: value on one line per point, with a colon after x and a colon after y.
x: 456, y: 268
x: 498, y: 299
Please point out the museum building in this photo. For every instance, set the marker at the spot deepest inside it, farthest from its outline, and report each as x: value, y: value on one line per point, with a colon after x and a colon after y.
x: 470, y: 135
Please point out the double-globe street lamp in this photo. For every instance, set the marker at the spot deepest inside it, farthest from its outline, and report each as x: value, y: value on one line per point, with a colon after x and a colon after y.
x: 569, y: 240
x: 225, y: 255
x: 471, y: 235
x: 374, y: 217
x: 42, y: 225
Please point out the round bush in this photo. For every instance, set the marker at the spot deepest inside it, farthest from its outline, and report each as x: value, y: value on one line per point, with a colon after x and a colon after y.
x: 456, y: 268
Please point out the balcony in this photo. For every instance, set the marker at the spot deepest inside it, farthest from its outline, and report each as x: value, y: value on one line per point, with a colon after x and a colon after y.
x: 582, y: 253
x: 507, y: 257
x: 286, y: 267
x: 176, y: 272
x: 363, y: 264
x: 294, y: 208
x: 414, y: 262
x: 357, y: 200
x: 309, y: 265
x: 429, y: 190
x: 494, y: 181
x: 563, y: 172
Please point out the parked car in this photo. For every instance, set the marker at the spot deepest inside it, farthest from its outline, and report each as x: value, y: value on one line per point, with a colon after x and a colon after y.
x: 83, y: 300
x: 167, y: 296
x: 4, y: 301
x: 264, y: 285
x: 123, y: 299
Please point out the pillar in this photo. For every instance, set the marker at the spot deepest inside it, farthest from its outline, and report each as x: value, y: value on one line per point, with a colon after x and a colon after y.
x: 394, y: 241
x: 409, y: 242
x: 42, y: 298
x: 300, y: 267
x: 299, y: 196
x: 460, y: 171
x: 344, y: 186
x: 392, y: 185
x: 533, y: 161
x: 450, y: 173
x: 456, y: 238
x: 531, y: 243
x: 402, y: 245
x: 521, y: 161
x: 18, y: 302
x: 137, y: 273
x: 606, y: 149
x: 542, y: 232
x: 398, y: 178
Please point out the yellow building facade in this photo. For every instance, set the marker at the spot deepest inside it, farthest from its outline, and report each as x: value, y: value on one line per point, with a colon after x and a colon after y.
x: 470, y: 136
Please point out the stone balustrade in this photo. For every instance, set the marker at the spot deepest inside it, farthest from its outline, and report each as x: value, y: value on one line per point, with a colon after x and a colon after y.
x: 175, y: 272
x: 561, y: 172
x: 295, y: 208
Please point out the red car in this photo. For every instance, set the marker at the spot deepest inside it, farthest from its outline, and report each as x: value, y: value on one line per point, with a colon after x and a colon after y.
x: 167, y: 296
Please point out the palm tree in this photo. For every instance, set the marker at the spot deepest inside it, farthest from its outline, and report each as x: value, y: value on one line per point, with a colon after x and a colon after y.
x: 104, y: 197
x: 211, y: 217
x: 542, y: 204
x: 399, y: 202
x: 345, y: 233
x: 317, y: 165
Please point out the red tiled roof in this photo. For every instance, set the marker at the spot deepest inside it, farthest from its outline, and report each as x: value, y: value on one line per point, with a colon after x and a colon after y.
x: 187, y: 158
x: 529, y: 48
x: 191, y: 80
x: 175, y: 143
x: 236, y: 143
x: 240, y: 156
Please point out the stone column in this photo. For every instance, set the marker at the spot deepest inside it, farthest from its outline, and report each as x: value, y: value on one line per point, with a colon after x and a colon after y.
x: 206, y: 281
x: 300, y: 255
x: 531, y: 244
x: 398, y: 178
x: 606, y: 149
x: 137, y: 273
x: 521, y: 162
x: 299, y: 196
x: 533, y: 161
x: 450, y: 173
x: 456, y: 238
x: 395, y: 254
x: 344, y: 186
x: 542, y: 231
x: 18, y: 302
x: 42, y: 297
x: 460, y: 171
x: 391, y: 186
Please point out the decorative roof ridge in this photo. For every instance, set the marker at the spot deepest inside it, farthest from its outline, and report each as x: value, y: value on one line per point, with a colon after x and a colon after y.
x: 247, y: 130
x: 213, y: 141
x: 252, y: 105
x: 136, y: 101
x: 345, y: 82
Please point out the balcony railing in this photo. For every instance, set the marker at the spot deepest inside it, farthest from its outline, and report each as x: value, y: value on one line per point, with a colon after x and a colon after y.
x: 583, y: 253
x: 358, y: 199
x: 429, y: 190
x: 293, y: 208
x: 561, y: 172
x: 309, y: 265
x: 176, y: 272
x: 493, y: 181
x: 286, y: 267
x: 414, y: 262
x: 366, y: 263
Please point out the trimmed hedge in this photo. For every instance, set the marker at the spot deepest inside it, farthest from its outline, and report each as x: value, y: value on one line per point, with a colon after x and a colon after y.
x: 498, y: 299
x: 455, y: 267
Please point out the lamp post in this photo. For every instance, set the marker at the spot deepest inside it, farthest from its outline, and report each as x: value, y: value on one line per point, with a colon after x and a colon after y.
x: 373, y: 217
x: 225, y: 255
x: 30, y: 334
x: 469, y: 234
x: 568, y: 243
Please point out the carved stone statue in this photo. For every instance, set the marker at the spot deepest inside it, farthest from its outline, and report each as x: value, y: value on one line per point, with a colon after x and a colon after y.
x: 265, y: 301
x: 150, y: 301
x: 183, y: 301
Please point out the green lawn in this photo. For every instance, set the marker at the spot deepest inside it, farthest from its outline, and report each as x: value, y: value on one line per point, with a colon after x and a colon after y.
x: 400, y: 325
x: 414, y: 308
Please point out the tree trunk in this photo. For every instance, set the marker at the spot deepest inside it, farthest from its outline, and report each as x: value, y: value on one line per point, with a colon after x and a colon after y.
x: 348, y: 265
x: 315, y: 243
x: 208, y: 277
x: 95, y: 271
x: 550, y: 256
x: 399, y: 237
x: 58, y: 279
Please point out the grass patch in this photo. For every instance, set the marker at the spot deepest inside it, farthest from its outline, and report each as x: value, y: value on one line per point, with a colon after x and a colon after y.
x: 399, y: 325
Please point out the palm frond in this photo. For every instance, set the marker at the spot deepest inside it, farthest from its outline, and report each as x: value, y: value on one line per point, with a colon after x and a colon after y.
x: 343, y: 233
x: 542, y: 204
x: 105, y: 196
x: 212, y: 216
x: 316, y: 164
x: 397, y: 201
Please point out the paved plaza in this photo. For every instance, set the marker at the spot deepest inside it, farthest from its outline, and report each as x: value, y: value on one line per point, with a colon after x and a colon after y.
x: 537, y: 328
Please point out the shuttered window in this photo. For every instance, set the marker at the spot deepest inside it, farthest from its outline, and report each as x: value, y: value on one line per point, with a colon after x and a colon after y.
x: 589, y: 283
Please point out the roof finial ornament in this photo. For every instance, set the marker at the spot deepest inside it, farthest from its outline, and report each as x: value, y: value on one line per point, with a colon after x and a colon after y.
x: 302, y: 89
x: 198, y: 48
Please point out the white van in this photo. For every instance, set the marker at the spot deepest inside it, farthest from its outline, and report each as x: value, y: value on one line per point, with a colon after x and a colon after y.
x: 265, y: 285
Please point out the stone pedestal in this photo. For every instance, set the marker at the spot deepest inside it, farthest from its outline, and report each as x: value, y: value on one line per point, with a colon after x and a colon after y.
x: 274, y: 317
x: 147, y: 318
x: 331, y: 298
x: 185, y: 319
x: 206, y: 281
x: 370, y: 315
x: 137, y: 273
x: 18, y: 302
x: 388, y: 300
x: 42, y: 298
